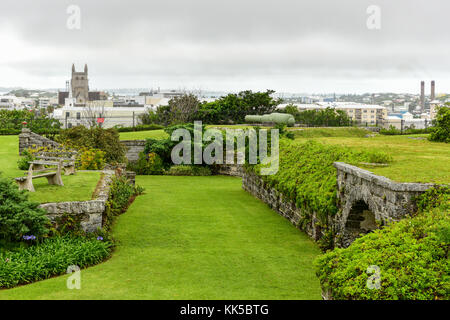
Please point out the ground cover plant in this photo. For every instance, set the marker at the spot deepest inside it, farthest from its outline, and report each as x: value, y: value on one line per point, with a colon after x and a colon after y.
x: 50, y: 257
x: 306, y: 176
x: 411, y: 256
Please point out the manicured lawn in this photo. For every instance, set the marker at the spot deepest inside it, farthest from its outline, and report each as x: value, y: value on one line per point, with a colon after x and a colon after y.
x: 78, y: 187
x: 142, y: 135
x: 195, y: 238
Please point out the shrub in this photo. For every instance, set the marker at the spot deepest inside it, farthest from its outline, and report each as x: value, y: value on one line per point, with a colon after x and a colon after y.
x: 441, y: 132
x: 19, y: 216
x: 23, y: 162
x: 120, y: 195
x: 185, y: 170
x: 412, y: 256
x: 148, y: 164
x: 50, y: 258
x: 91, y: 159
x: 106, y: 140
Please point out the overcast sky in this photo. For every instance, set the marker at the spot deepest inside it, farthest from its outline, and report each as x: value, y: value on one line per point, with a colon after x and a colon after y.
x: 314, y: 46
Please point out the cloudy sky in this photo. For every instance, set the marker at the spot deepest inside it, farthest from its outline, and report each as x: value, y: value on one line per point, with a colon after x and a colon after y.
x: 311, y: 46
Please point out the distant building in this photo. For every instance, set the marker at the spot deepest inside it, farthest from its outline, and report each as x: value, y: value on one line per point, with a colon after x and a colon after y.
x: 79, y: 87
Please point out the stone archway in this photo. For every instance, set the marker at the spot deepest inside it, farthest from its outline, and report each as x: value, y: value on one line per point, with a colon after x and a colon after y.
x: 360, y: 220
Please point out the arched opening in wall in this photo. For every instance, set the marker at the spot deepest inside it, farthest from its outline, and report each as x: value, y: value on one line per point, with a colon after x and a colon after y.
x: 360, y: 219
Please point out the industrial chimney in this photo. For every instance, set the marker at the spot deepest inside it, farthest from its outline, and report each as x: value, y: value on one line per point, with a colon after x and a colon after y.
x: 433, y: 93
x: 422, y: 95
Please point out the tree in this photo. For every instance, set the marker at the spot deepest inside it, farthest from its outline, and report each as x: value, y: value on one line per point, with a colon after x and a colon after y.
x: 183, y: 108
x: 441, y: 130
x: 234, y: 107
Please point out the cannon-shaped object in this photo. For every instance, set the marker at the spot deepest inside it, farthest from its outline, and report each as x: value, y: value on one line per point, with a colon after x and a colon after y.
x: 277, y: 118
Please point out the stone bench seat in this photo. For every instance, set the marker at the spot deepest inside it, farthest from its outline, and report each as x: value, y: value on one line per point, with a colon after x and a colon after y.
x: 26, y: 183
x: 68, y: 167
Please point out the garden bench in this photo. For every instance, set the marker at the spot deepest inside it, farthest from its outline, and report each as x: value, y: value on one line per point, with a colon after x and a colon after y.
x: 26, y: 183
x: 67, y: 157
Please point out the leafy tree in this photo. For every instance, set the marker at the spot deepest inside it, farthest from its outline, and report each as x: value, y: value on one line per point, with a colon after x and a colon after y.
x: 441, y: 131
x: 234, y: 107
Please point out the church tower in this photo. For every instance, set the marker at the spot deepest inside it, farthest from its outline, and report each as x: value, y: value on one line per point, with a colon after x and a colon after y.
x: 80, y: 85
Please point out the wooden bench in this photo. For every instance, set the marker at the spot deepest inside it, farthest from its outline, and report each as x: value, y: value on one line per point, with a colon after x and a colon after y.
x: 26, y: 183
x: 68, y: 158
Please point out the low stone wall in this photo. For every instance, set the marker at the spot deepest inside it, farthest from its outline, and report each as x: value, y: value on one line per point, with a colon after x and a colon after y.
x: 366, y: 202
x: 365, y: 198
x: 134, y: 147
x: 28, y: 139
x: 303, y: 220
x: 89, y: 213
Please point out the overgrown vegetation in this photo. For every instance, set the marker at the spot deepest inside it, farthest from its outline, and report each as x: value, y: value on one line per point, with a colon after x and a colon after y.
x: 121, y: 195
x: 306, y: 176
x: 412, y: 256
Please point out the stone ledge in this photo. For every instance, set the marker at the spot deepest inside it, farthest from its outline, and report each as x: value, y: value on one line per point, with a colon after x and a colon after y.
x: 382, y: 181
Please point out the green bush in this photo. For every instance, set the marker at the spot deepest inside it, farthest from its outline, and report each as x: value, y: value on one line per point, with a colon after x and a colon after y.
x: 50, y: 258
x: 412, y: 256
x: 186, y: 170
x: 148, y: 164
x: 307, y: 176
x: 24, y: 161
x: 441, y: 132
x: 106, y: 140
x: 19, y: 216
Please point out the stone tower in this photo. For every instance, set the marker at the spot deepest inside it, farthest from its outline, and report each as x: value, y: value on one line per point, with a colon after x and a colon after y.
x: 80, y: 85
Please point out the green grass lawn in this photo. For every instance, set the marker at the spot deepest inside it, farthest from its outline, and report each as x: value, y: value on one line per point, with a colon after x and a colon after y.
x: 414, y: 160
x: 142, y: 135
x: 195, y: 238
x: 78, y: 187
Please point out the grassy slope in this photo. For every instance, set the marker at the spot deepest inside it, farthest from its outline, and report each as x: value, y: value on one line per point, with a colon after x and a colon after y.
x: 195, y: 238
x: 78, y: 187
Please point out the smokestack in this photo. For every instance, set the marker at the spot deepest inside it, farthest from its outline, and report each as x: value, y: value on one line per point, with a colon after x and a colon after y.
x: 422, y: 94
x: 433, y: 88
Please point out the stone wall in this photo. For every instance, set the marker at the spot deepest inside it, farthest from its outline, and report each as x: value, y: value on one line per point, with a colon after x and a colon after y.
x: 300, y: 218
x: 28, y: 139
x: 366, y: 202
x: 134, y: 147
x: 89, y: 213
x: 365, y: 198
